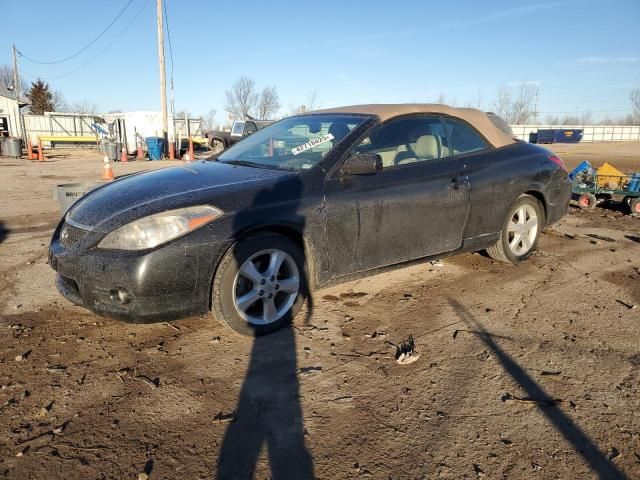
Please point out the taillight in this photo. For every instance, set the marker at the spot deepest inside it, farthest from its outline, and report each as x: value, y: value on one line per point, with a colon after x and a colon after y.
x: 558, y: 161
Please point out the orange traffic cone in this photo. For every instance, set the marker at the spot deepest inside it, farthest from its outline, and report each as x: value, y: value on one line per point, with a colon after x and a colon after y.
x: 172, y: 151
x: 29, y: 150
x: 123, y: 153
x: 107, y: 173
x: 140, y: 153
x: 40, y: 152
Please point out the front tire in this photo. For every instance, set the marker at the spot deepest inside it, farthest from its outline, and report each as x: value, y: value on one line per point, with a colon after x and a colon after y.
x: 260, y: 284
x: 520, y: 231
x: 217, y: 145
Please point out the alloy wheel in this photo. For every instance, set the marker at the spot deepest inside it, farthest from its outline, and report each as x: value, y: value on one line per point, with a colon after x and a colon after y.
x: 266, y: 287
x: 522, y: 229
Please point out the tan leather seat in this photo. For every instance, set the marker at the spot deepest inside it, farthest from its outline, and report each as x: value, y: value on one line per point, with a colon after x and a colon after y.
x: 427, y: 147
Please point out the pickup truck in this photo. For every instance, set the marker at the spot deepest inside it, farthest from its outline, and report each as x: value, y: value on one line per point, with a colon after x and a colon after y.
x: 240, y: 129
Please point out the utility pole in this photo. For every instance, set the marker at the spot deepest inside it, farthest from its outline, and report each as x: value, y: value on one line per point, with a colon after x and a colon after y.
x: 163, y: 80
x: 16, y: 91
x: 16, y: 76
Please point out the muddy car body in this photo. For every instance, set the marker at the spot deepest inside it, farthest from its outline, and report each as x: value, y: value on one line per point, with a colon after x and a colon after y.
x: 310, y: 200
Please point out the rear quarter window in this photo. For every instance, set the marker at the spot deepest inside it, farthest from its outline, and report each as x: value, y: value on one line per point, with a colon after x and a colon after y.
x: 463, y: 138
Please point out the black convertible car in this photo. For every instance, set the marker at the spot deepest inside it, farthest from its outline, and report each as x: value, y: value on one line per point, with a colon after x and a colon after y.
x: 310, y: 200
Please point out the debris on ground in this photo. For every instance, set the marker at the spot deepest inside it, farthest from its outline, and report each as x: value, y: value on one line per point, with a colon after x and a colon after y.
x: 614, y: 453
x: 406, y: 352
x: 625, y: 304
x: 23, y: 356
x: 153, y: 383
x: 56, y: 368
x: 222, y: 417
x: 544, y: 402
x: 478, y: 470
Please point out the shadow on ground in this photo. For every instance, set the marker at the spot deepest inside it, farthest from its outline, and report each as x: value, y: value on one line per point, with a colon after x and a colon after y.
x: 269, y: 413
x: 572, y: 433
x: 4, y: 232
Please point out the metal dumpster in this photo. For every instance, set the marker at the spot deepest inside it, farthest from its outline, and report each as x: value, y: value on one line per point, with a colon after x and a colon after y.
x: 559, y: 135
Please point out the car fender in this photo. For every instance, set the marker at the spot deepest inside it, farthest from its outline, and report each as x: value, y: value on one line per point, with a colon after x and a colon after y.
x: 296, y: 232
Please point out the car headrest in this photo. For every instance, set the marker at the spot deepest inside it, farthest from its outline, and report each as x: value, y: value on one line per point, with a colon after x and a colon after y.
x: 427, y: 147
x: 339, y: 131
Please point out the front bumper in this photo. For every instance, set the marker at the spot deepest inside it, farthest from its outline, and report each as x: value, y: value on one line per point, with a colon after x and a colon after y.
x: 172, y: 281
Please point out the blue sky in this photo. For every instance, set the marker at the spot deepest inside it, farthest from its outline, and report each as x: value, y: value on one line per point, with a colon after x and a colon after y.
x: 583, y: 55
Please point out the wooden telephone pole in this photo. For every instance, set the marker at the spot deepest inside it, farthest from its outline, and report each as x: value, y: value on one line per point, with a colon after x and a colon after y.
x: 16, y: 76
x: 163, y: 80
x: 16, y: 92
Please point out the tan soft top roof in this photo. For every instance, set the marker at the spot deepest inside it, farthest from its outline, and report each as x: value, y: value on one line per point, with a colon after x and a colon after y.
x: 475, y: 117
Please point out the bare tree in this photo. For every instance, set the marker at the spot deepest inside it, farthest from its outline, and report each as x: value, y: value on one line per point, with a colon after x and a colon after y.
x: 6, y: 79
x: 518, y: 109
x: 502, y: 103
x: 312, y: 102
x: 634, y: 96
x: 6, y: 76
x: 59, y: 102
x: 209, y: 120
x: 478, y: 103
x: 443, y: 100
x: 84, y: 106
x: 269, y: 103
x: 241, y: 100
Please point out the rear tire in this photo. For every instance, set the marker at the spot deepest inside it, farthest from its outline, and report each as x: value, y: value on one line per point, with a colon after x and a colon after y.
x: 520, y: 231
x: 260, y: 284
x: 587, y: 201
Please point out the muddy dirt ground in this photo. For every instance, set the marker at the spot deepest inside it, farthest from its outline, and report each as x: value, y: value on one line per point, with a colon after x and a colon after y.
x: 529, y: 371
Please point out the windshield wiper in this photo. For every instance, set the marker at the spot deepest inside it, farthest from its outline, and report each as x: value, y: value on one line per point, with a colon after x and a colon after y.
x: 244, y: 163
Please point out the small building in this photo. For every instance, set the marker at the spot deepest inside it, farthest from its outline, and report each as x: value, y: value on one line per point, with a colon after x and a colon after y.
x: 10, y: 123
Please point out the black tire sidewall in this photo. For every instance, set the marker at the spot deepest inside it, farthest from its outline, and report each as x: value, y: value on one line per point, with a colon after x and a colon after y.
x: 529, y: 200
x: 224, y: 282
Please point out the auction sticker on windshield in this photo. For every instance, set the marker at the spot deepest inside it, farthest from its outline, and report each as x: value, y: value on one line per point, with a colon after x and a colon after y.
x: 312, y: 143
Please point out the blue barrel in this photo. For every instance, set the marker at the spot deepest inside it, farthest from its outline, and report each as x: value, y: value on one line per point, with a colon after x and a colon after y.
x: 155, y: 147
x: 634, y: 184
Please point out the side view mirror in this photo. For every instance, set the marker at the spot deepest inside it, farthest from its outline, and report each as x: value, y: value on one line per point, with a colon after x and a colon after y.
x: 362, y: 164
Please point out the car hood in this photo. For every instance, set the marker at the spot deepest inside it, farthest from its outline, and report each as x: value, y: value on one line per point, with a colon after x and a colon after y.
x: 139, y: 195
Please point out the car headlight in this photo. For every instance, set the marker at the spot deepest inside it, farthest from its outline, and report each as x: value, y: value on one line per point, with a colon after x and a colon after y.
x: 154, y: 230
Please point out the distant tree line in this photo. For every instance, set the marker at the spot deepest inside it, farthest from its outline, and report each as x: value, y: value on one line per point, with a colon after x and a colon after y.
x: 516, y: 104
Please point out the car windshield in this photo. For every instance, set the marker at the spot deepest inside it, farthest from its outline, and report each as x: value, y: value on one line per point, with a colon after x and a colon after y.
x: 295, y: 143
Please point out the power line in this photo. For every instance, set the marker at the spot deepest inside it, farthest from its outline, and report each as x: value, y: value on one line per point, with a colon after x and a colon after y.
x: 104, y: 49
x: 576, y: 112
x: 22, y: 55
x: 166, y: 21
